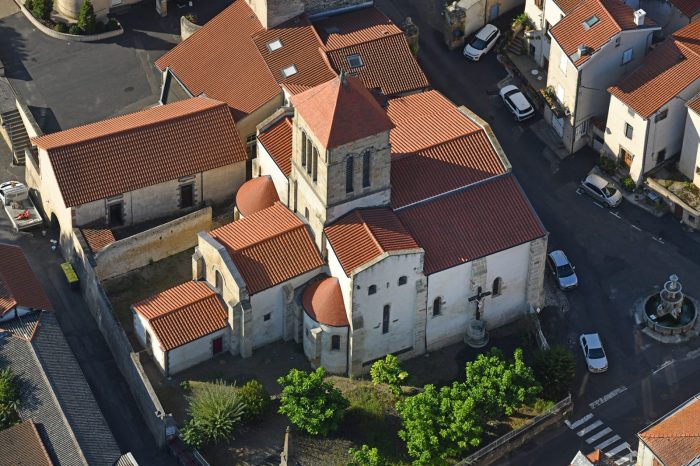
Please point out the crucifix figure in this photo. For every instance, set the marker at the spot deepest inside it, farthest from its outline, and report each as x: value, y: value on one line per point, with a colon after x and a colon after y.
x: 479, y: 298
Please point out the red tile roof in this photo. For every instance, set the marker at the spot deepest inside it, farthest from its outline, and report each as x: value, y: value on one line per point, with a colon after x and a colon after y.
x: 269, y: 247
x: 183, y: 314
x: 355, y: 27
x: 566, y: 5
x: 323, y: 302
x: 675, y: 439
x: 694, y: 104
x: 341, y: 111
x: 255, y: 195
x: 688, y: 7
x: 366, y: 234
x: 671, y: 67
x: 22, y: 445
x: 98, y: 238
x: 476, y: 222
x: 18, y: 284
x: 613, y: 17
x: 277, y: 140
x: 221, y: 60
x: 130, y: 152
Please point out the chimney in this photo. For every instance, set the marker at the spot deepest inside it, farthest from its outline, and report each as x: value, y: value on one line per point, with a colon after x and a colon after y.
x: 639, y: 16
x: 583, y: 49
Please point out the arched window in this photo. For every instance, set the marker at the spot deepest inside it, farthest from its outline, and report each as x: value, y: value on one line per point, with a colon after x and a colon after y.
x: 437, y: 306
x: 385, y: 318
x: 372, y: 289
x: 402, y: 280
x: 496, y: 287
x: 314, y: 171
x: 218, y: 281
x: 303, y: 149
x: 335, y: 342
x: 348, y: 175
x: 309, y: 150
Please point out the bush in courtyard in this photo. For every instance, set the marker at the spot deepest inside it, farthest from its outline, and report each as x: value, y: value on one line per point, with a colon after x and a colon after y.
x: 607, y: 164
x: 256, y: 399
x: 86, y: 18
x: 112, y: 25
x: 29, y: 5
x: 555, y: 370
x: 628, y: 184
x: 366, y: 456
x: 191, y: 17
x: 9, y: 398
x: 388, y: 371
x: 215, y: 411
x: 75, y: 30
x: 41, y: 9
x: 61, y: 27
x: 100, y: 27
x: 312, y: 404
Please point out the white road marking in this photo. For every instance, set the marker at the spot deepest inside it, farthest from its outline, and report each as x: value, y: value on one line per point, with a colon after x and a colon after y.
x: 626, y: 459
x: 618, y: 449
x: 599, y: 435
x: 635, y: 227
x: 607, y: 397
x: 658, y: 239
x: 693, y: 354
x: 609, y: 441
x: 590, y: 428
x: 599, y: 205
x: 663, y: 366
x: 615, y: 214
x: 574, y: 425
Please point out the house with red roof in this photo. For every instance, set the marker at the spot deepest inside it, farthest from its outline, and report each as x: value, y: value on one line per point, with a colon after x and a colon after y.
x: 672, y: 15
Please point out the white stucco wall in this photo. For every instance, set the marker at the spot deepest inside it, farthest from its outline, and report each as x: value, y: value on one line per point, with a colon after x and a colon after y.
x: 344, y: 281
x: 196, y: 351
x: 263, y: 165
x: 141, y: 326
x: 690, y: 154
x: 620, y: 114
x: 644, y: 456
x: 334, y: 361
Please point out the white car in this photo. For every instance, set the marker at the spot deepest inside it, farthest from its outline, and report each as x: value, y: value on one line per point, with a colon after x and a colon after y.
x: 597, y: 187
x: 516, y: 102
x: 593, y: 352
x: 562, y: 270
x: 482, y: 42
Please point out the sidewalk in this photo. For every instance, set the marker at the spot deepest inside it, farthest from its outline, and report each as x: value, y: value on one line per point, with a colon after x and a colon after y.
x: 641, y: 200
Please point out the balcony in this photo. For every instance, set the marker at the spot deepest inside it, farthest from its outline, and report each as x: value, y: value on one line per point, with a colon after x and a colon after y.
x: 558, y: 109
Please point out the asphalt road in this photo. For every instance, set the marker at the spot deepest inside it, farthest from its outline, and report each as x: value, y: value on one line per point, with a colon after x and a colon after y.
x: 620, y: 255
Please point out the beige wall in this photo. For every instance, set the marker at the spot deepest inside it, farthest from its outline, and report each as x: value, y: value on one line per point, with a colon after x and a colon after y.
x: 689, y: 163
x: 248, y: 124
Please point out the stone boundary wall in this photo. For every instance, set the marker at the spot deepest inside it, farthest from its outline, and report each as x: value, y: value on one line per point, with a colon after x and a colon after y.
x: 187, y: 28
x: 64, y: 36
x: 152, y: 245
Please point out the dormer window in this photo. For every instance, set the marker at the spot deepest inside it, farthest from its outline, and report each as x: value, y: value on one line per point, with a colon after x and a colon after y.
x: 355, y: 61
x: 274, y: 45
x: 291, y: 70
x: 590, y: 22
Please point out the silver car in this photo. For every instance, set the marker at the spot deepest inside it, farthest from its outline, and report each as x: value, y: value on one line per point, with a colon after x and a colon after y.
x: 597, y: 187
x: 593, y: 352
x: 562, y: 270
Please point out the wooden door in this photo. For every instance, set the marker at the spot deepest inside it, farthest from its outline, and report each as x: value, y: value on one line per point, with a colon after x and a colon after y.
x: 218, y: 345
x: 626, y: 157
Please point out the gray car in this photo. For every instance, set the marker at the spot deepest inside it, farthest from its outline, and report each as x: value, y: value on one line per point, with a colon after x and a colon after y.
x: 593, y: 352
x: 598, y: 188
x: 562, y: 270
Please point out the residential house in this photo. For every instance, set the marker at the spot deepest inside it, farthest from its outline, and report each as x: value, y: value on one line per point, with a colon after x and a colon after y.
x: 671, y: 15
x: 592, y: 47
x: 544, y: 14
x: 480, y: 12
x: 152, y: 164
x: 647, y: 113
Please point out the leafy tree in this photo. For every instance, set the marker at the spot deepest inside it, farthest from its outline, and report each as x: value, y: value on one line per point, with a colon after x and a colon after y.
x: 439, y: 424
x: 366, y: 456
x: 29, y: 5
x: 310, y: 403
x: 86, y: 18
x: 388, y: 371
x: 555, y: 369
x: 9, y: 398
x: 499, y: 386
x: 41, y: 9
x: 215, y: 411
x: 256, y: 399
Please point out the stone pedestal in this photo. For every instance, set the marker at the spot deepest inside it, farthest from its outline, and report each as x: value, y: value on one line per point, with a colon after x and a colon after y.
x: 477, y: 336
x: 453, y: 27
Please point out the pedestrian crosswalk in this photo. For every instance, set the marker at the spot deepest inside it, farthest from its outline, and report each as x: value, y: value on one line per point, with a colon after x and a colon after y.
x: 603, y: 438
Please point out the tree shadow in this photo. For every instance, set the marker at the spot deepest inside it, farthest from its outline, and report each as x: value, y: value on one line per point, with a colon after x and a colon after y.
x: 45, y: 118
x: 13, y: 50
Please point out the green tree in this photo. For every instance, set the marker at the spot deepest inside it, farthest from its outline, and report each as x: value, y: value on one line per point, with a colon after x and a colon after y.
x: 499, y: 386
x: 555, y: 369
x: 9, y: 398
x: 215, y: 411
x: 86, y: 18
x: 388, y: 371
x: 311, y: 403
x: 256, y: 399
x: 439, y: 424
x: 366, y: 456
x: 41, y: 9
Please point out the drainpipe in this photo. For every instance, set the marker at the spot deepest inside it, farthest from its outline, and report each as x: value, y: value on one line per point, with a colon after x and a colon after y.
x: 644, y: 152
x: 578, y: 89
x: 347, y: 353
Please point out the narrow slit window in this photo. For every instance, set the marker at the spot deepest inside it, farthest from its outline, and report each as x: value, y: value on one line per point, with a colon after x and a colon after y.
x: 366, y: 170
x: 349, y: 168
x: 386, y: 315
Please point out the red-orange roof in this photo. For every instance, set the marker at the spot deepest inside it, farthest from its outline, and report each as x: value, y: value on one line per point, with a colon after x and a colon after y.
x: 688, y: 7
x: 671, y: 67
x: 566, y: 5
x: 476, y: 222
x: 269, y: 247
x: 323, y: 302
x: 366, y: 234
x: 675, y: 439
x: 18, y: 284
x: 183, y: 314
x: 130, y: 152
x: 694, y: 104
x: 341, y: 111
x: 255, y: 195
x: 98, y: 238
x: 277, y: 141
x: 22, y: 445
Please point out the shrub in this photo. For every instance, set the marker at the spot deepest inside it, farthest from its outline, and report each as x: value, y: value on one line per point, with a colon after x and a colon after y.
x: 9, y: 398
x: 86, y: 17
x: 191, y: 17
x: 61, y: 27
x: 628, y: 184
x: 75, y: 30
x: 607, y: 164
x: 185, y: 386
x: 555, y: 370
x: 256, y: 399
x: 41, y: 9
x: 215, y: 411
x: 29, y: 5
x: 310, y: 403
x: 366, y: 456
x: 388, y: 371
x: 112, y: 25
x: 100, y: 27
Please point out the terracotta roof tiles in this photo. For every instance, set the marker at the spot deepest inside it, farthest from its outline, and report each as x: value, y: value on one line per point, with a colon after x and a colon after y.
x: 277, y: 140
x: 183, y: 314
x: 694, y: 104
x: 566, y: 5
x: 18, y: 284
x: 130, y: 152
x: 323, y: 302
x: 355, y: 27
x: 255, y: 195
x: 22, y: 445
x: 98, y: 238
x: 688, y: 7
x: 675, y: 439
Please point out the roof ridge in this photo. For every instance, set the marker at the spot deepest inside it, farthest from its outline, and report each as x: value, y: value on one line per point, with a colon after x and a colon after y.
x: 179, y: 308
x: 392, y: 34
x: 605, y: 8
x: 275, y: 235
x: 365, y: 224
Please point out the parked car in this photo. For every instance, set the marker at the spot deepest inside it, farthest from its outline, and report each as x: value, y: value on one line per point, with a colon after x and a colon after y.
x: 597, y: 187
x: 517, y: 103
x: 593, y: 352
x: 482, y: 42
x: 562, y: 270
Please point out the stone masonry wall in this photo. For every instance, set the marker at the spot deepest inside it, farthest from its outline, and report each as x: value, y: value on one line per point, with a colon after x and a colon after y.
x: 319, y: 6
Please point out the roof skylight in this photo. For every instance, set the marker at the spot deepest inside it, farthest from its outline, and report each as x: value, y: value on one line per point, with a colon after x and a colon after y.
x: 291, y: 70
x: 590, y: 22
x: 274, y: 45
x: 355, y: 61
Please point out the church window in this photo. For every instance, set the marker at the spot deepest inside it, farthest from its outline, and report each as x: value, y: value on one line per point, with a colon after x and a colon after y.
x: 348, y: 175
x: 303, y: 149
x: 309, y: 148
x: 402, y: 280
x: 372, y: 289
x: 365, y: 170
x: 496, y: 287
x: 315, y: 167
x: 267, y: 317
x: 218, y: 281
x: 437, y: 306
x: 306, y: 212
x: 335, y: 342
x: 385, y: 318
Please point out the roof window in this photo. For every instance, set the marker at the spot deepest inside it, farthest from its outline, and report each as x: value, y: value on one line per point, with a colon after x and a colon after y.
x: 274, y: 45
x: 590, y: 22
x: 291, y: 70
x: 355, y: 61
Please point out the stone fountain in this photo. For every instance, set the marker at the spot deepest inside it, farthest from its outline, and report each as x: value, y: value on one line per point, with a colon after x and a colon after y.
x: 670, y: 312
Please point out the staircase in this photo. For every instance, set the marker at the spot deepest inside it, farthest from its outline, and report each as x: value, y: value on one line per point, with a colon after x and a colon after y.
x: 19, y: 139
x: 517, y: 45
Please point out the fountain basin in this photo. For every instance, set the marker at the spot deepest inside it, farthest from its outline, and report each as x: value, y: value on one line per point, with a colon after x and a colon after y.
x: 667, y: 325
